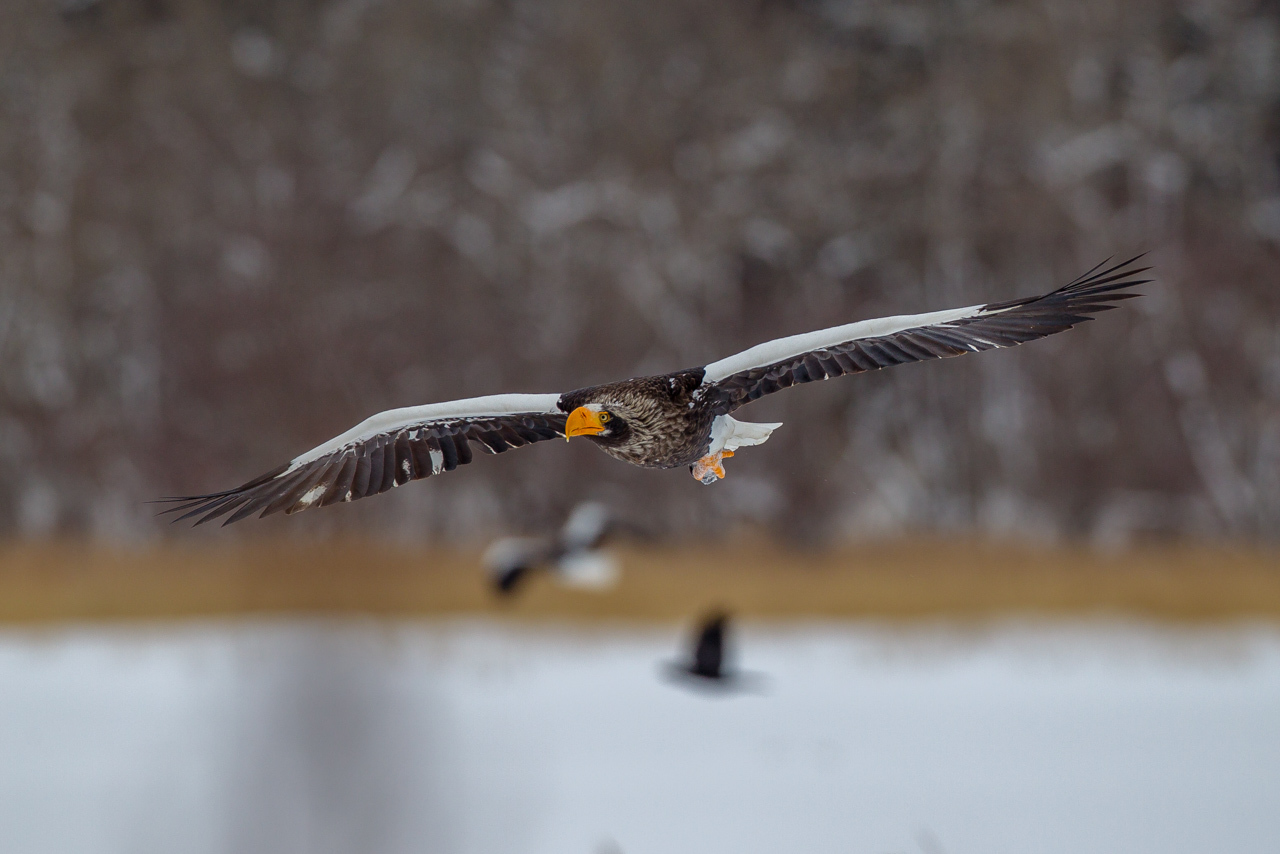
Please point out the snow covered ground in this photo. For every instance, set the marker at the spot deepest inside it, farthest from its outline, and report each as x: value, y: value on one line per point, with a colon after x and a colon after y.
x: 475, y: 737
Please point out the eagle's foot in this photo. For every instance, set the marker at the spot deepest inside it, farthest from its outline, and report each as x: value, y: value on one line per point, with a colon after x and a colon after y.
x: 709, y: 469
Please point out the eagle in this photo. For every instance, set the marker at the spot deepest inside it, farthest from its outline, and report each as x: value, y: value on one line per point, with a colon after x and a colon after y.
x: 675, y: 420
x: 574, y: 555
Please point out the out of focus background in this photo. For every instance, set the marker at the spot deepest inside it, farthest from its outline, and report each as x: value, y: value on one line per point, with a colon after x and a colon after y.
x: 1020, y: 601
x: 233, y: 229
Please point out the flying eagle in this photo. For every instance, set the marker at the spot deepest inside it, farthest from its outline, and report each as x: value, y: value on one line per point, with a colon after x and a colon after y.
x: 573, y: 555
x: 668, y: 421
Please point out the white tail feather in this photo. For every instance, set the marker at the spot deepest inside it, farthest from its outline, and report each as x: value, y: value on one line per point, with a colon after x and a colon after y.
x: 729, y: 434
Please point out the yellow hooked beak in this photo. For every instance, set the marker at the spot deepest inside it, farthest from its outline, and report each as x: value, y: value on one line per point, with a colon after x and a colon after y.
x: 584, y: 422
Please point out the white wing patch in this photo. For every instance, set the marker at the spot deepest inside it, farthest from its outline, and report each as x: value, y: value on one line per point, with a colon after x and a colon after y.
x: 397, y: 419
x: 589, y: 570
x: 781, y: 349
x: 311, y: 496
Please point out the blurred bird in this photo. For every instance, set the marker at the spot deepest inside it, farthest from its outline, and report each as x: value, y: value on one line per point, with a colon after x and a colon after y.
x: 573, y: 556
x: 708, y: 666
x: 665, y: 421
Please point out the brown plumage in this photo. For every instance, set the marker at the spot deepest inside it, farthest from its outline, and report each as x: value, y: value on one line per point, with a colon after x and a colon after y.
x: 657, y: 422
x: 677, y: 419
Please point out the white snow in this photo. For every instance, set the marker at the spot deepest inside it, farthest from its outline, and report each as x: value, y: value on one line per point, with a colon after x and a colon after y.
x: 472, y: 737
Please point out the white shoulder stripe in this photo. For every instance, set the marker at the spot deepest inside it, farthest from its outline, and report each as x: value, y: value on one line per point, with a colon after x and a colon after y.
x: 397, y: 419
x: 780, y: 349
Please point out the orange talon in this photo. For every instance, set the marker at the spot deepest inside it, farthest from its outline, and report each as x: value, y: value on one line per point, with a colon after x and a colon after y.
x: 708, y: 469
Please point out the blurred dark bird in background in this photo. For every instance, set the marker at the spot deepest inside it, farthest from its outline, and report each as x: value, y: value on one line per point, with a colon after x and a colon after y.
x: 665, y: 421
x: 573, y: 556
x: 708, y: 654
x: 709, y: 666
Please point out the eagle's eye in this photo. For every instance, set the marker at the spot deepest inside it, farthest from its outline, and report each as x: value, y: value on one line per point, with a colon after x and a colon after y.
x: 604, y: 416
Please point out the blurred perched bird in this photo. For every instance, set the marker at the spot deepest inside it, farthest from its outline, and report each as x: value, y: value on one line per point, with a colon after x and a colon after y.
x: 708, y: 666
x: 572, y: 556
x: 708, y: 653
x: 666, y: 421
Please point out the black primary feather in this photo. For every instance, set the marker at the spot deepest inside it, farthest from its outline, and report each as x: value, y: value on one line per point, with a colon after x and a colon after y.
x: 1001, y: 324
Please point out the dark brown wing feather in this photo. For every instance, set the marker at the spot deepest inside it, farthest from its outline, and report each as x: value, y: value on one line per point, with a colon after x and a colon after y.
x: 372, y: 466
x: 1010, y: 323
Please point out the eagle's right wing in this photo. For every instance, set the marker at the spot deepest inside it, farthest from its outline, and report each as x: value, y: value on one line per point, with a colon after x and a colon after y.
x: 385, y: 451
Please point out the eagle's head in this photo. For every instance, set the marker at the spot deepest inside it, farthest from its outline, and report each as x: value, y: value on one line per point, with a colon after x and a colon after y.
x: 607, y: 423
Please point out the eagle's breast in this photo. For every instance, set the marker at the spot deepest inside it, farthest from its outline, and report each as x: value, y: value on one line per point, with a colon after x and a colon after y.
x: 666, y: 423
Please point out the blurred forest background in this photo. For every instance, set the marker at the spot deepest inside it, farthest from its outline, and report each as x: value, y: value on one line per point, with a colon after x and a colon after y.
x: 231, y: 229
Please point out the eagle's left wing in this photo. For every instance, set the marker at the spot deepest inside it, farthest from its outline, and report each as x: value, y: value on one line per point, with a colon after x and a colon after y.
x: 873, y: 344
x: 385, y: 451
